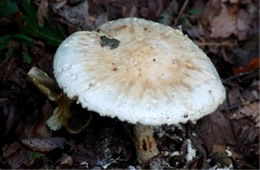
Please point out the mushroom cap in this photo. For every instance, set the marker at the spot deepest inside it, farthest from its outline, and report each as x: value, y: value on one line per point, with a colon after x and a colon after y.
x: 156, y: 75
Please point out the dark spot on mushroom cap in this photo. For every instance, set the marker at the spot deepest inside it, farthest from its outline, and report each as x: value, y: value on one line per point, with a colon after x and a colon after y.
x: 113, y: 63
x: 144, y: 146
x: 210, y: 91
x: 145, y: 28
x: 154, y: 60
x: 115, y: 69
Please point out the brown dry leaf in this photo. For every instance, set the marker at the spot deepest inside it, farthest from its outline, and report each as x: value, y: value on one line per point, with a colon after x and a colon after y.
x: 65, y: 160
x: 130, y: 11
x: 223, y: 25
x: 211, y: 10
x: 251, y: 111
x: 243, y: 24
x: 16, y: 155
x: 234, y: 96
x: 101, y: 19
x: 215, y: 129
x: 39, y: 128
x: 44, y: 144
x: 75, y: 13
x: 10, y: 111
x: 42, y: 12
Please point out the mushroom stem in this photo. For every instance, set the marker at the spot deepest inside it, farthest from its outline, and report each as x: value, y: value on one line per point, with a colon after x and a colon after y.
x: 146, y: 146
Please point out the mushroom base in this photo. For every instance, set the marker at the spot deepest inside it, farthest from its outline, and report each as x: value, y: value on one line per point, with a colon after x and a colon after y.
x: 146, y: 146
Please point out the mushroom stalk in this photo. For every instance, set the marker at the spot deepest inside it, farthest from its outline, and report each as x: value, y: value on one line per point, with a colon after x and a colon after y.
x: 146, y: 146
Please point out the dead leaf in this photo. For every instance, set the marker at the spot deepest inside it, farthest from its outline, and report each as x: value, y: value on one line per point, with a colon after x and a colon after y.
x: 220, y: 156
x: 251, y: 111
x: 252, y: 65
x: 223, y: 25
x: 234, y: 96
x: 65, y: 160
x: 130, y: 11
x: 76, y: 14
x: 42, y: 12
x: 39, y: 128
x: 215, y: 129
x: 243, y: 20
x: 210, y: 11
x: 10, y: 111
x: 44, y: 144
x: 16, y: 155
x: 101, y: 19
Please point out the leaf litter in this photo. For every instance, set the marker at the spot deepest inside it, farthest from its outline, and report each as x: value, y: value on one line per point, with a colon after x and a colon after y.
x: 227, y: 30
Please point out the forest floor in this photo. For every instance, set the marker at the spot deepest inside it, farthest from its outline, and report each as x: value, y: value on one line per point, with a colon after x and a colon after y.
x: 30, y: 32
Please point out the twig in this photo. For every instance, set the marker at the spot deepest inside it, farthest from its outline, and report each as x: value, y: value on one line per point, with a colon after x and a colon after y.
x: 181, y: 12
x: 238, y: 105
x: 217, y: 44
x: 195, y: 32
x: 239, y: 75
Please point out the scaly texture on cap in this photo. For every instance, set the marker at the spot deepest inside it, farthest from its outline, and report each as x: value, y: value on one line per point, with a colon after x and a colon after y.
x: 156, y: 75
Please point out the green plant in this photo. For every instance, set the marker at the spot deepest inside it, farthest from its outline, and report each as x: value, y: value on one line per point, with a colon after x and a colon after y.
x: 35, y: 155
x: 28, y: 29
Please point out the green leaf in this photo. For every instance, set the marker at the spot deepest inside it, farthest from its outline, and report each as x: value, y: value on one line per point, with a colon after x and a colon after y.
x: 27, y: 57
x: 8, y: 7
x: 195, y: 11
x: 21, y: 37
x: 35, y: 155
x: 52, y: 36
x: 184, y: 22
x: 10, y: 53
x: 4, y: 41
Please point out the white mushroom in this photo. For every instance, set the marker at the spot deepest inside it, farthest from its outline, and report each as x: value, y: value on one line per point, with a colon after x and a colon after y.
x: 141, y: 72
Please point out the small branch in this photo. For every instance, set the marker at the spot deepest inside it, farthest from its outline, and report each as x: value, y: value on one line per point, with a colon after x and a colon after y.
x: 239, y: 75
x: 217, y: 44
x: 181, y: 12
x: 238, y: 105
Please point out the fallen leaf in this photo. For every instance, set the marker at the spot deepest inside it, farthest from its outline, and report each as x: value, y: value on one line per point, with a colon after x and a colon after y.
x: 223, y: 25
x: 42, y: 12
x: 252, y: 65
x: 251, y: 111
x: 101, y: 19
x: 39, y: 128
x: 243, y: 20
x: 44, y: 144
x: 210, y: 11
x: 16, y: 155
x: 76, y: 14
x: 65, y: 160
x: 215, y: 129
x: 234, y: 96
x: 220, y: 156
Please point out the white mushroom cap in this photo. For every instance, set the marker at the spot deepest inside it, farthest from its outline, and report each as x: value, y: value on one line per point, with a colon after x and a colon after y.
x: 155, y: 76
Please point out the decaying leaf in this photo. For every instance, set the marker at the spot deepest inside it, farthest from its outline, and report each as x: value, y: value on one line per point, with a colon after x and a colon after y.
x: 215, y: 129
x: 223, y: 25
x: 42, y: 12
x: 74, y: 13
x: 234, y: 96
x: 44, y: 144
x: 17, y: 155
x: 251, y: 111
